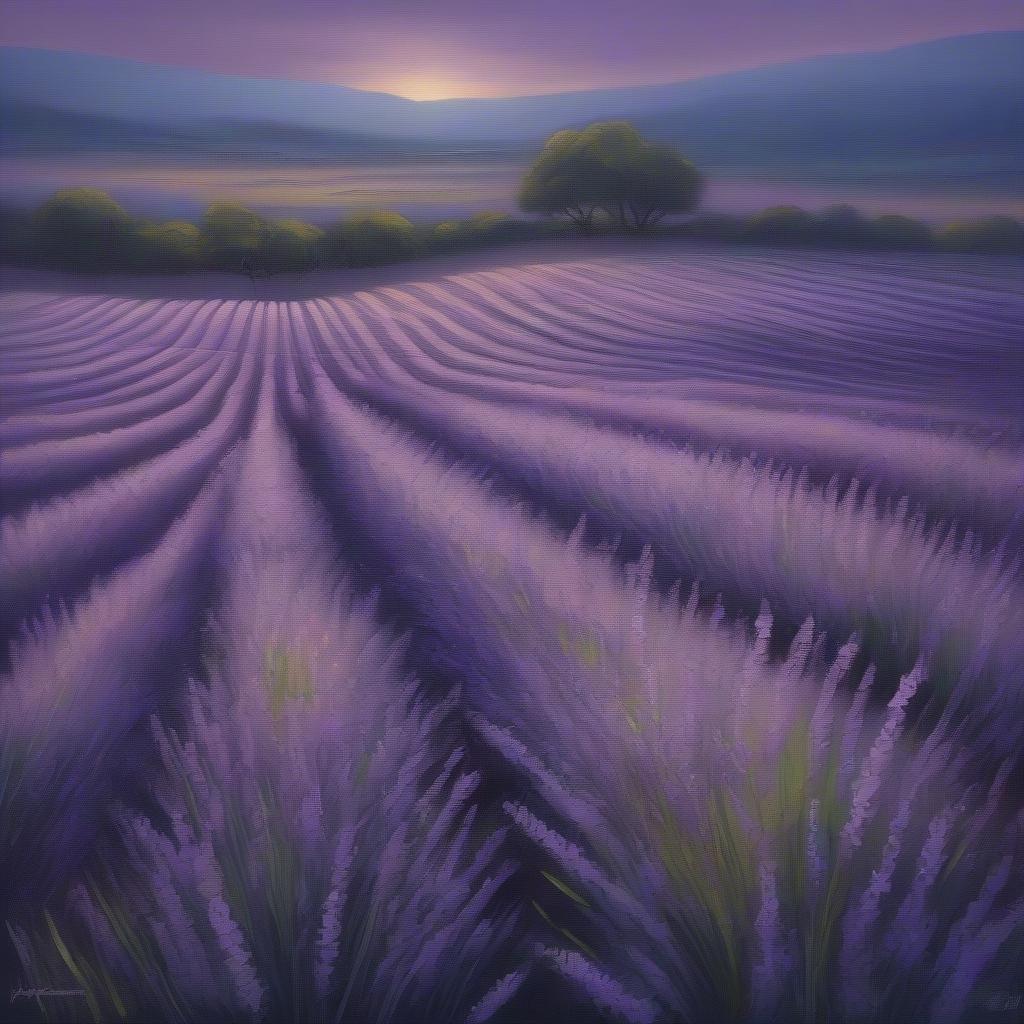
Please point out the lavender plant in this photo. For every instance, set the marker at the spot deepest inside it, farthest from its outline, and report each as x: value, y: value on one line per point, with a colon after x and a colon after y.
x: 51, y: 545
x: 725, y: 837
x: 709, y: 825
x: 77, y: 690
x: 32, y: 470
x: 323, y: 859
x: 972, y: 478
x: 756, y: 531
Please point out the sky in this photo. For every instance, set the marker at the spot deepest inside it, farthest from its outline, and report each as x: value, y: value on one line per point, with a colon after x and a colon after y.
x: 436, y: 49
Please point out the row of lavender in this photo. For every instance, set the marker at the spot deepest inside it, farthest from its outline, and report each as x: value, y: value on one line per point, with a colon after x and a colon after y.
x: 309, y: 847
x: 728, y: 857
x: 707, y: 827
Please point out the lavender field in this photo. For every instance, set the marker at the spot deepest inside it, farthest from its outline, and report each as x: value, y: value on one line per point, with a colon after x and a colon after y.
x: 637, y: 638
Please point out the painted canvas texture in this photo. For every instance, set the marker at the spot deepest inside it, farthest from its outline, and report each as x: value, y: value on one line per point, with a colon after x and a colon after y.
x: 511, y: 513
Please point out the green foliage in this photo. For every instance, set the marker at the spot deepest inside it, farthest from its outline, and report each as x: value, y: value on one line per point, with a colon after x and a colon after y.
x: 606, y: 174
x: 174, y: 246
x: 987, y: 234
x: 447, y: 233
x: 289, y: 245
x: 287, y: 677
x: 835, y: 226
x: 370, y: 238
x: 489, y: 225
x: 486, y: 228
x: 83, y: 226
x: 784, y: 225
x: 609, y: 167
x: 233, y: 234
x: 897, y: 232
x: 843, y: 225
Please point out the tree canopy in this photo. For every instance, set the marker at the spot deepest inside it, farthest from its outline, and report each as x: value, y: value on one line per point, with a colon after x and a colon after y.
x: 609, y: 166
x: 83, y: 225
x: 233, y: 232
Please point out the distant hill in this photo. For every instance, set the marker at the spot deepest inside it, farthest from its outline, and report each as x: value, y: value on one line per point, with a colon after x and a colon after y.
x: 953, y: 107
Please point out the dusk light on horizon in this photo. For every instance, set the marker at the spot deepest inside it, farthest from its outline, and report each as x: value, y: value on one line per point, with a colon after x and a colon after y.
x: 464, y: 48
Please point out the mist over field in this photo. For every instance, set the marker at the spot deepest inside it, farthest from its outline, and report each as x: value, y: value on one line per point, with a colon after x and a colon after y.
x: 428, y: 189
x: 927, y: 130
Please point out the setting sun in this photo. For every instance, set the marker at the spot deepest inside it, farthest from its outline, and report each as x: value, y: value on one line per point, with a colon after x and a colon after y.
x: 424, y: 85
x: 425, y: 88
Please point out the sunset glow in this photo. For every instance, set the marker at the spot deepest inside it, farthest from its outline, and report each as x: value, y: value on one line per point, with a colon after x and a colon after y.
x: 465, y: 48
x: 425, y: 87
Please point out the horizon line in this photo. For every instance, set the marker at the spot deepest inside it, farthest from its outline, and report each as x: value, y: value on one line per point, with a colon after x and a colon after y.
x: 575, y: 91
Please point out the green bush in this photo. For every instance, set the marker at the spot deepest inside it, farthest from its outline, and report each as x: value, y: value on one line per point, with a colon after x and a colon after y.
x: 289, y: 245
x: 892, y: 231
x: 83, y: 227
x: 842, y: 225
x: 233, y: 235
x: 446, y: 235
x: 490, y: 226
x: 175, y: 246
x: 370, y: 238
x: 781, y: 225
x: 987, y: 234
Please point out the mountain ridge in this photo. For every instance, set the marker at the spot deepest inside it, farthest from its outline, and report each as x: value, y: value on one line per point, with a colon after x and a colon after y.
x: 957, y: 99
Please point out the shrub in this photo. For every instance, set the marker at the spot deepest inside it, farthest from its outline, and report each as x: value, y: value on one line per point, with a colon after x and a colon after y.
x: 780, y: 224
x: 233, y: 234
x: 987, y: 234
x: 83, y: 227
x: 843, y: 225
x: 894, y: 231
x: 369, y: 238
x: 289, y: 245
x: 490, y: 225
x: 446, y: 234
x: 174, y: 246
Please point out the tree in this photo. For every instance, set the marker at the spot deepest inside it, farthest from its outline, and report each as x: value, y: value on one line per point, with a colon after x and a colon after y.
x: 610, y: 167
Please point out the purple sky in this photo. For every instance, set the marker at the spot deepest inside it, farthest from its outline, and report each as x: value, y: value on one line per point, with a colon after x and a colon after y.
x: 428, y: 49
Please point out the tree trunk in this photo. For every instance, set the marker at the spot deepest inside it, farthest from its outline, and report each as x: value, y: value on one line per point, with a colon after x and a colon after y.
x: 650, y: 217
x: 580, y: 217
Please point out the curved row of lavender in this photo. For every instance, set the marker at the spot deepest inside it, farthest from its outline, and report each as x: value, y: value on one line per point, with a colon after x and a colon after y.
x: 634, y: 638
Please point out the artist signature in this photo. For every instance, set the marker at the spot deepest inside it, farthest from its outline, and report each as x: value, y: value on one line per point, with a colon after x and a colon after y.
x: 40, y: 993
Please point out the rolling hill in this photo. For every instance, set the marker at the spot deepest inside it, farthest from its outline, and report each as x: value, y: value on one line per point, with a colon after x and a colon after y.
x: 952, y: 107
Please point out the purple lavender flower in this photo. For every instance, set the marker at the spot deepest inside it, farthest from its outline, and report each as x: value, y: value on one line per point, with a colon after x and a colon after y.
x: 608, y: 995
